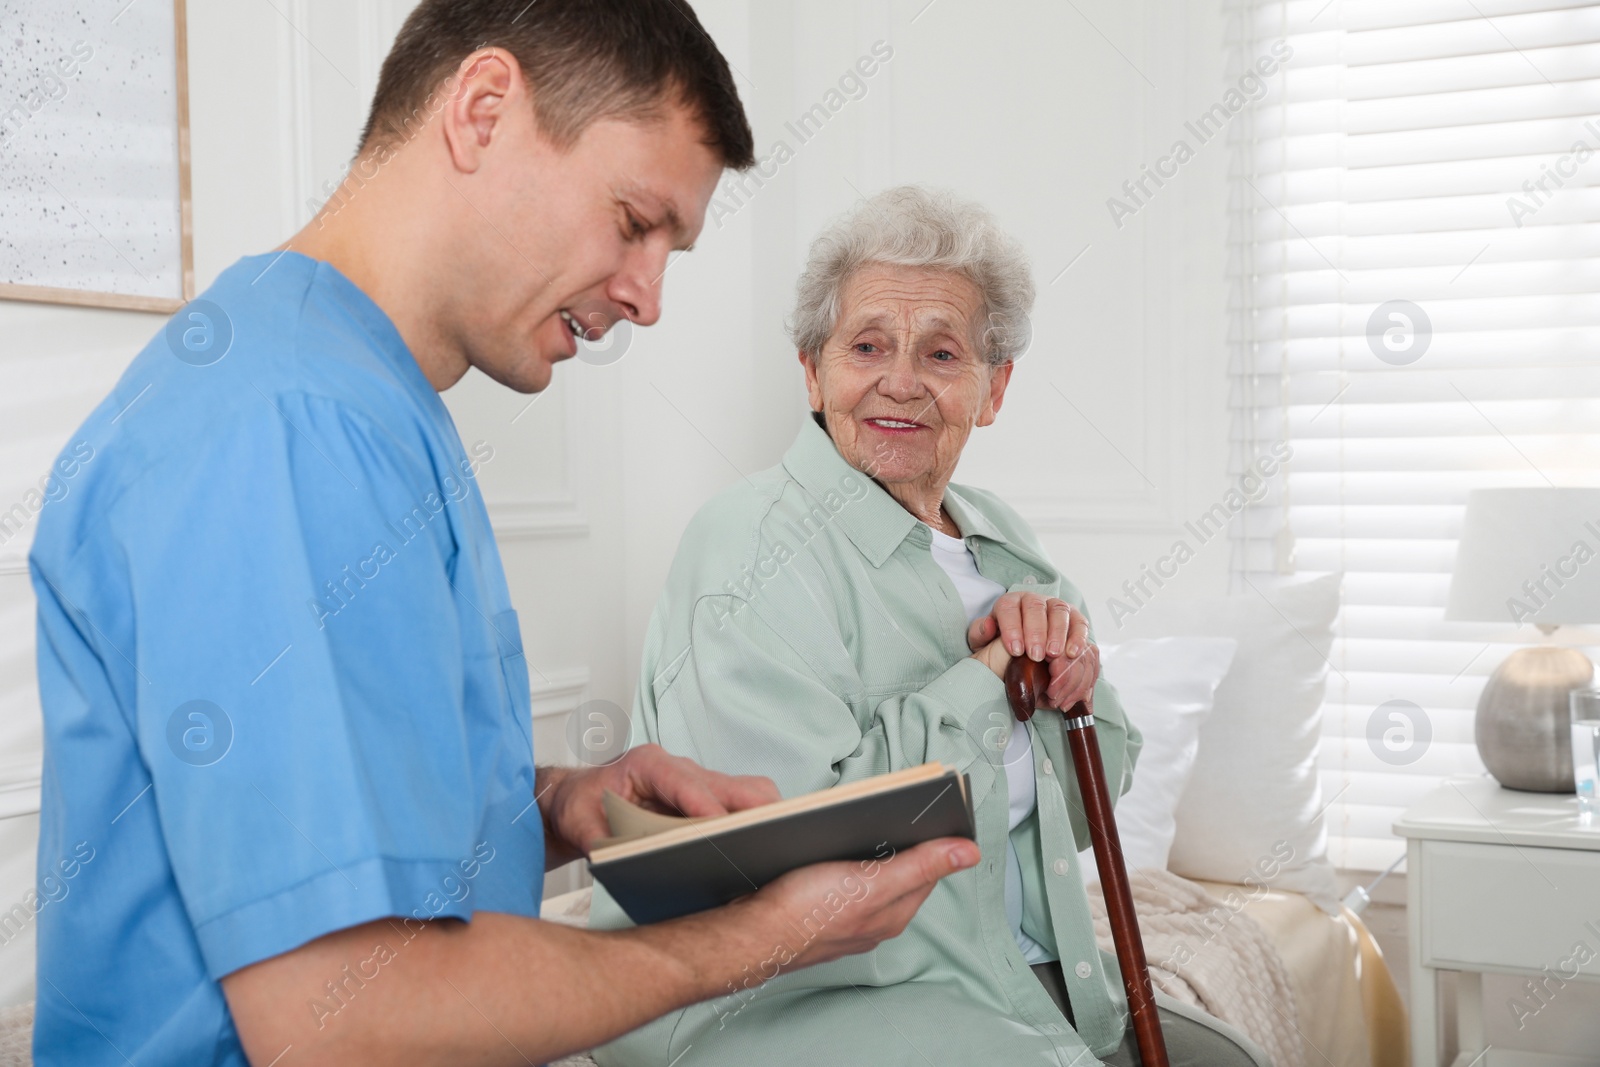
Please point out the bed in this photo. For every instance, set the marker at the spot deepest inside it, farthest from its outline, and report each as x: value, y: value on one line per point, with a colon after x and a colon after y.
x: 1349, y: 1011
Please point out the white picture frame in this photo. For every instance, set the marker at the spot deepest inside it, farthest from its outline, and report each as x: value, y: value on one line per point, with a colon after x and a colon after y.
x: 94, y: 154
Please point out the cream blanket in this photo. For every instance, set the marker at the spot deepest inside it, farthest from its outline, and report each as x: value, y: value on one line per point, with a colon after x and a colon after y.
x: 1207, y: 952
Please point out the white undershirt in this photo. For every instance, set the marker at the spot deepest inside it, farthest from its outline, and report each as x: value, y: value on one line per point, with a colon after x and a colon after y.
x: 978, y: 595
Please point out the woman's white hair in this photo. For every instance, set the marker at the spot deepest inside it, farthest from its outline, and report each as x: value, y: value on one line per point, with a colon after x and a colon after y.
x: 910, y: 226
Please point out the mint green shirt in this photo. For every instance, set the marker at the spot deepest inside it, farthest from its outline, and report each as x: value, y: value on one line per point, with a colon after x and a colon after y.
x: 805, y: 633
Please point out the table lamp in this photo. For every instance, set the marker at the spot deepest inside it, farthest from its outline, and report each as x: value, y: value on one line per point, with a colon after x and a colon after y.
x: 1529, y: 556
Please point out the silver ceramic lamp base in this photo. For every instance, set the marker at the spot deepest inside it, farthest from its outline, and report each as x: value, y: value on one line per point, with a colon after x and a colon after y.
x: 1523, y: 719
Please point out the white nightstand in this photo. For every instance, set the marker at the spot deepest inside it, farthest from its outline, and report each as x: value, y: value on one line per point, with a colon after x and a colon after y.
x: 1497, y: 880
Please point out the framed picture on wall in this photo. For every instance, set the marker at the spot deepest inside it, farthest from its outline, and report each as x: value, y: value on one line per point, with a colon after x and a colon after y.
x: 94, y: 153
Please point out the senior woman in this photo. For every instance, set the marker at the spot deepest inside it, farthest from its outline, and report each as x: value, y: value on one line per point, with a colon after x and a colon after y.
x: 817, y: 627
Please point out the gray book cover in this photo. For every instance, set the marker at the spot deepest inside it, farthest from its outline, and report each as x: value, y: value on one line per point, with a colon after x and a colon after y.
x: 707, y: 863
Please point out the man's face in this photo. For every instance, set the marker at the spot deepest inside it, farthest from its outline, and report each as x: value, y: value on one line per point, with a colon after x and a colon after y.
x: 576, y: 240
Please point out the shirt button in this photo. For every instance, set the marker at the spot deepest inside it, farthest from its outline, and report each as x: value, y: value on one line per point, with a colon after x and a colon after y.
x: 1030, y: 580
x: 1083, y: 970
x: 1060, y: 867
x: 1049, y: 768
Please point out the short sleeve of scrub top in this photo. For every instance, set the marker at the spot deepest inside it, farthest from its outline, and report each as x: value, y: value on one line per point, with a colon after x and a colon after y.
x: 284, y: 689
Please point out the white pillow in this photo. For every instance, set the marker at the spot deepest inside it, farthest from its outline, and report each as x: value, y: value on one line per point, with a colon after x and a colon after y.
x: 1166, y: 686
x: 1252, y: 811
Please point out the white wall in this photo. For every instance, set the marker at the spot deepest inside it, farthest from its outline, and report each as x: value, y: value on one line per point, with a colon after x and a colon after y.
x: 1115, y: 426
x: 1024, y: 105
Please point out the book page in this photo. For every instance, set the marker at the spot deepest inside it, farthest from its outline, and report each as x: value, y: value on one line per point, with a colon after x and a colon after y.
x: 629, y: 822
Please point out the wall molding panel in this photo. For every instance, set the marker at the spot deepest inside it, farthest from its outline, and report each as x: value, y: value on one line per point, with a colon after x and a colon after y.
x: 297, y: 178
x: 523, y: 520
x: 19, y: 790
x: 559, y: 692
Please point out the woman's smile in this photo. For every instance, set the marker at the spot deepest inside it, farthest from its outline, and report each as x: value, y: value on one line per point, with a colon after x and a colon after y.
x: 894, y: 427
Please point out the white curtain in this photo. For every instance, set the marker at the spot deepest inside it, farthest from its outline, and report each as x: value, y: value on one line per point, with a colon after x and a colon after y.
x: 1414, y: 237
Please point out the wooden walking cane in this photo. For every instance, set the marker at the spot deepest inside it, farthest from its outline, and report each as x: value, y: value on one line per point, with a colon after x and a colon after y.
x: 1026, y: 681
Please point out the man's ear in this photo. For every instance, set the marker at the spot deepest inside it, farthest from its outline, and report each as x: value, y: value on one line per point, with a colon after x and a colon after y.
x: 813, y: 384
x: 999, y: 378
x: 474, y: 103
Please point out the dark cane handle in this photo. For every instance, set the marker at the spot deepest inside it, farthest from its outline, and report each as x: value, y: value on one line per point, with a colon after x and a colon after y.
x: 1026, y: 682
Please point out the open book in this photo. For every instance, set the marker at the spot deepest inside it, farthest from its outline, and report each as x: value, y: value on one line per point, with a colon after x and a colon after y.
x: 660, y: 867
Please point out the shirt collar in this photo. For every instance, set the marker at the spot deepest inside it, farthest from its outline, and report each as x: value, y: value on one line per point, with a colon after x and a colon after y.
x: 973, y: 522
x: 387, y: 342
x: 876, y: 523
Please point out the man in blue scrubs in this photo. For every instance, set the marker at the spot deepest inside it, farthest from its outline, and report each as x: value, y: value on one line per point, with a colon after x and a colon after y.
x: 288, y: 753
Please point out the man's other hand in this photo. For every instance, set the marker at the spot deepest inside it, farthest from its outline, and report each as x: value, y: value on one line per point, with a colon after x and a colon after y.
x: 649, y: 776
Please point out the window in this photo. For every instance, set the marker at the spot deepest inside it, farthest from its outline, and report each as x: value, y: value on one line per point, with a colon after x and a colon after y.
x: 1415, y: 236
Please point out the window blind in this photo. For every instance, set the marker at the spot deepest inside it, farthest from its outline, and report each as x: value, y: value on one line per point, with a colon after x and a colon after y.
x: 1415, y: 256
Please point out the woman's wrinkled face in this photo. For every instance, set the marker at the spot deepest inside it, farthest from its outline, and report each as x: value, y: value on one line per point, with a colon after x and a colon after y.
x: 902, y: 380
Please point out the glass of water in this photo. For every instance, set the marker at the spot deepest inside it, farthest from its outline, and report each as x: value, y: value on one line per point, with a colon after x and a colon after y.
x: 1585, y: 704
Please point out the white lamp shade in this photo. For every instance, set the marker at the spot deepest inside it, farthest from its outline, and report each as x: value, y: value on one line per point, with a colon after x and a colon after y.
x: 1528, y: 555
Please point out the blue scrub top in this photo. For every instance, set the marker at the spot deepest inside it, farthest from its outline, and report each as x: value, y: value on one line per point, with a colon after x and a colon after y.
x: 284, y: 690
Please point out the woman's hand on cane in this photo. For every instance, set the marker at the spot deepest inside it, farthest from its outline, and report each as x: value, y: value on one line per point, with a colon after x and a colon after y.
x: 1045, y: 629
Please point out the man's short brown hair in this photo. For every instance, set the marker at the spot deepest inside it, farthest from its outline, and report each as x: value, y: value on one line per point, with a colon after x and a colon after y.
x: 583, y: 60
